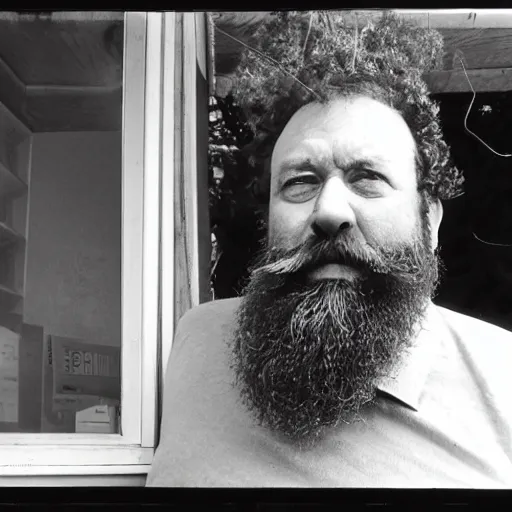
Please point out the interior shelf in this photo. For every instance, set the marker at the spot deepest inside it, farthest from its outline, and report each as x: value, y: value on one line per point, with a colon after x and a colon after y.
x: 8, y: 297
x: 10, y: 184
x: 9, y: 236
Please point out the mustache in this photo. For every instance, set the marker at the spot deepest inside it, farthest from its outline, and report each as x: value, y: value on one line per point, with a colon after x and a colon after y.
x: 405, y: 260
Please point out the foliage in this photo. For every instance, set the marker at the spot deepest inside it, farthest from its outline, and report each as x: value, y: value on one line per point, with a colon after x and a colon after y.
x: 327, y: 56
x: 235, y: 214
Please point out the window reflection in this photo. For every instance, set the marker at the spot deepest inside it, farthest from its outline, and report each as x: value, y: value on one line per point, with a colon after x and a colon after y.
x: 60, y: 221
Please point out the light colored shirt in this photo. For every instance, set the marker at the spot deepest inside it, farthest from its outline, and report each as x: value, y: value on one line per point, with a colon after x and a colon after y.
x: 443, y: 420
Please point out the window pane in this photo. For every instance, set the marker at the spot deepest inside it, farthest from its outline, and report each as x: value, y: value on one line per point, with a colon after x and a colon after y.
x: 61, y: 89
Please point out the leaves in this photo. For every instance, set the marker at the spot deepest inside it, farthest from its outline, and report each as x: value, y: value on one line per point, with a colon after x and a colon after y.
x: 390, y: 46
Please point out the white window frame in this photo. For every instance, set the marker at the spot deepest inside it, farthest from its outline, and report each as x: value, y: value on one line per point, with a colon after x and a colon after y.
x: 171, y: 135
x: 131, y: 451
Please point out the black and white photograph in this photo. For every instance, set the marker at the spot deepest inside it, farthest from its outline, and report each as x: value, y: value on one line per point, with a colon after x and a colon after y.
x: 256, y: 249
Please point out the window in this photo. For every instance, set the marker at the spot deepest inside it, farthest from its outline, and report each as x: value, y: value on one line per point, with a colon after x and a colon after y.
x: 81, y: 166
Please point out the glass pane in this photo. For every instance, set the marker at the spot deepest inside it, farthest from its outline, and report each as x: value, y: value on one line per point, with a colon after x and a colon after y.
x: 61, y: 77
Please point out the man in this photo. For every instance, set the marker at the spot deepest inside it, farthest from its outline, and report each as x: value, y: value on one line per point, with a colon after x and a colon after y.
x: 335, y: 369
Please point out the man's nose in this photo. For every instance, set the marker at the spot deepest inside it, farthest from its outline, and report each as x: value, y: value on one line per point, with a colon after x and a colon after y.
x: 333, y: 212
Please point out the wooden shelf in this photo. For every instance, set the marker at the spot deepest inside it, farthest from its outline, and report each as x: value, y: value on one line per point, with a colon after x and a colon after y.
x: 8, y: 297
x: 9, y: 236
x: 10, y: 184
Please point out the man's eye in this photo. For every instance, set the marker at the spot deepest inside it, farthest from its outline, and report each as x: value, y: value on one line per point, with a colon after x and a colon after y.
x: 365, y: 174
x: 300, y: 189
x: 367, y: 183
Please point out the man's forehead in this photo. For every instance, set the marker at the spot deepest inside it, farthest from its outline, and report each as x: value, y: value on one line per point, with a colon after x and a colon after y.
x: 303, y: 159
x: 344, y: 105
x: 371, y: 129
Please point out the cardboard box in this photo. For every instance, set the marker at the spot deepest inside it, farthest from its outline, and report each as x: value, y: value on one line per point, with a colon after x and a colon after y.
x: 81, y: 368
x: 73, y: 372
x: 100, y: 419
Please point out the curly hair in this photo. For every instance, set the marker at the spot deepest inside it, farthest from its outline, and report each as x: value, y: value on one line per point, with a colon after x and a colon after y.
x: 388, y: 61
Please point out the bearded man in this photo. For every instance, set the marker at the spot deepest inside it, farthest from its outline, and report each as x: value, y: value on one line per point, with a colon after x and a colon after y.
x: 335, y: 368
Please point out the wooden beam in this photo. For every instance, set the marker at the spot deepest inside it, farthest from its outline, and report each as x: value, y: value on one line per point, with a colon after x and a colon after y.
x: 482, y: 47
x: 483, y: 80
x: 182, y: 293
x: 439, y: 18
x: 171, y: 118
x: 187, y: 242
x: 203, y: 213
x: 463, y: 19
x: 191, y: 230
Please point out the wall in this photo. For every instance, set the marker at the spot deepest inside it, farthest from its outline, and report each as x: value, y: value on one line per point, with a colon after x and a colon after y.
x: 73, y: 279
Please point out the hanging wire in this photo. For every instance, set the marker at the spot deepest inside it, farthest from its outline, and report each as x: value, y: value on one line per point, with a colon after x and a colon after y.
x: 266, y: 57
x: 490, y: 243
x: 356, y: 35
x: 308, y: 32
x: 458, y: 54
x: 469, y: 110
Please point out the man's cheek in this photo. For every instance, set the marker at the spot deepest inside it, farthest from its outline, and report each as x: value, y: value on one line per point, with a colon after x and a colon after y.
x: 390, y: 227
x: 279, y: 236
x: 287, y: 231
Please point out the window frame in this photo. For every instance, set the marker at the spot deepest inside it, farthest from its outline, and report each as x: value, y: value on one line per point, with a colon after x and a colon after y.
x: 131, y: 451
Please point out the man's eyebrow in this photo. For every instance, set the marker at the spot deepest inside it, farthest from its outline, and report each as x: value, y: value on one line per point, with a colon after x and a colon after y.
x: 297, y: 164
x: 307, y: 164
x: 360, y: 162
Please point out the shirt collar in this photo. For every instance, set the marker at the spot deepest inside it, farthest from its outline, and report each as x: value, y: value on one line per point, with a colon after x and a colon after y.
x: 407, y: 381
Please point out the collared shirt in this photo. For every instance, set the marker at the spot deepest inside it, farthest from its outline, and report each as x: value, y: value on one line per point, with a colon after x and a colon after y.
x: 443, y: 419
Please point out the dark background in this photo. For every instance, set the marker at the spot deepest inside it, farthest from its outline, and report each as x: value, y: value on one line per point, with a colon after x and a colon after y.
x: 478, y: 277
x: 478, y: 281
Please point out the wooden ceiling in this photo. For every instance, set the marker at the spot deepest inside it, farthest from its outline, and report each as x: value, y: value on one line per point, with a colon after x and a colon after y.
x: 63, y: 71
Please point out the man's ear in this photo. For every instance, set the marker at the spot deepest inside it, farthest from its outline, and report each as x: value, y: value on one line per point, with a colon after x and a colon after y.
x: 435, y: 216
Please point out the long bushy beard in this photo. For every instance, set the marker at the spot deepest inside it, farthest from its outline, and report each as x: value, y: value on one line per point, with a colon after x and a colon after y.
x: 307, y: 355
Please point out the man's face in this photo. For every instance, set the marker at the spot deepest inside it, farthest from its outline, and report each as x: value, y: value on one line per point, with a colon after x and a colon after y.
x: 348, y: 164
x: 348, y: 270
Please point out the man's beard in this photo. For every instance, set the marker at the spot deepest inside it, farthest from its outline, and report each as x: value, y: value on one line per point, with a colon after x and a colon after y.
x: 308, y: 355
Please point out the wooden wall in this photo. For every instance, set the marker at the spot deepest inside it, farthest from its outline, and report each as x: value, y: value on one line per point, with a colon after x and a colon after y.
x: 192, y: 226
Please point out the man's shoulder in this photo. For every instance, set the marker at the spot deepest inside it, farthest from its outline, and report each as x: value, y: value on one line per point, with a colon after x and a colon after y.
x: 215, y: 309
x: 209, y: 317
x: 204, y: 329
x: 475, y: 332
x: 484, y: 353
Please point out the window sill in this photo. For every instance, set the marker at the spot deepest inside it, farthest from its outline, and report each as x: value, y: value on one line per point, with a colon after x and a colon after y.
x: 73, y: 460
x: 77, y: 476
